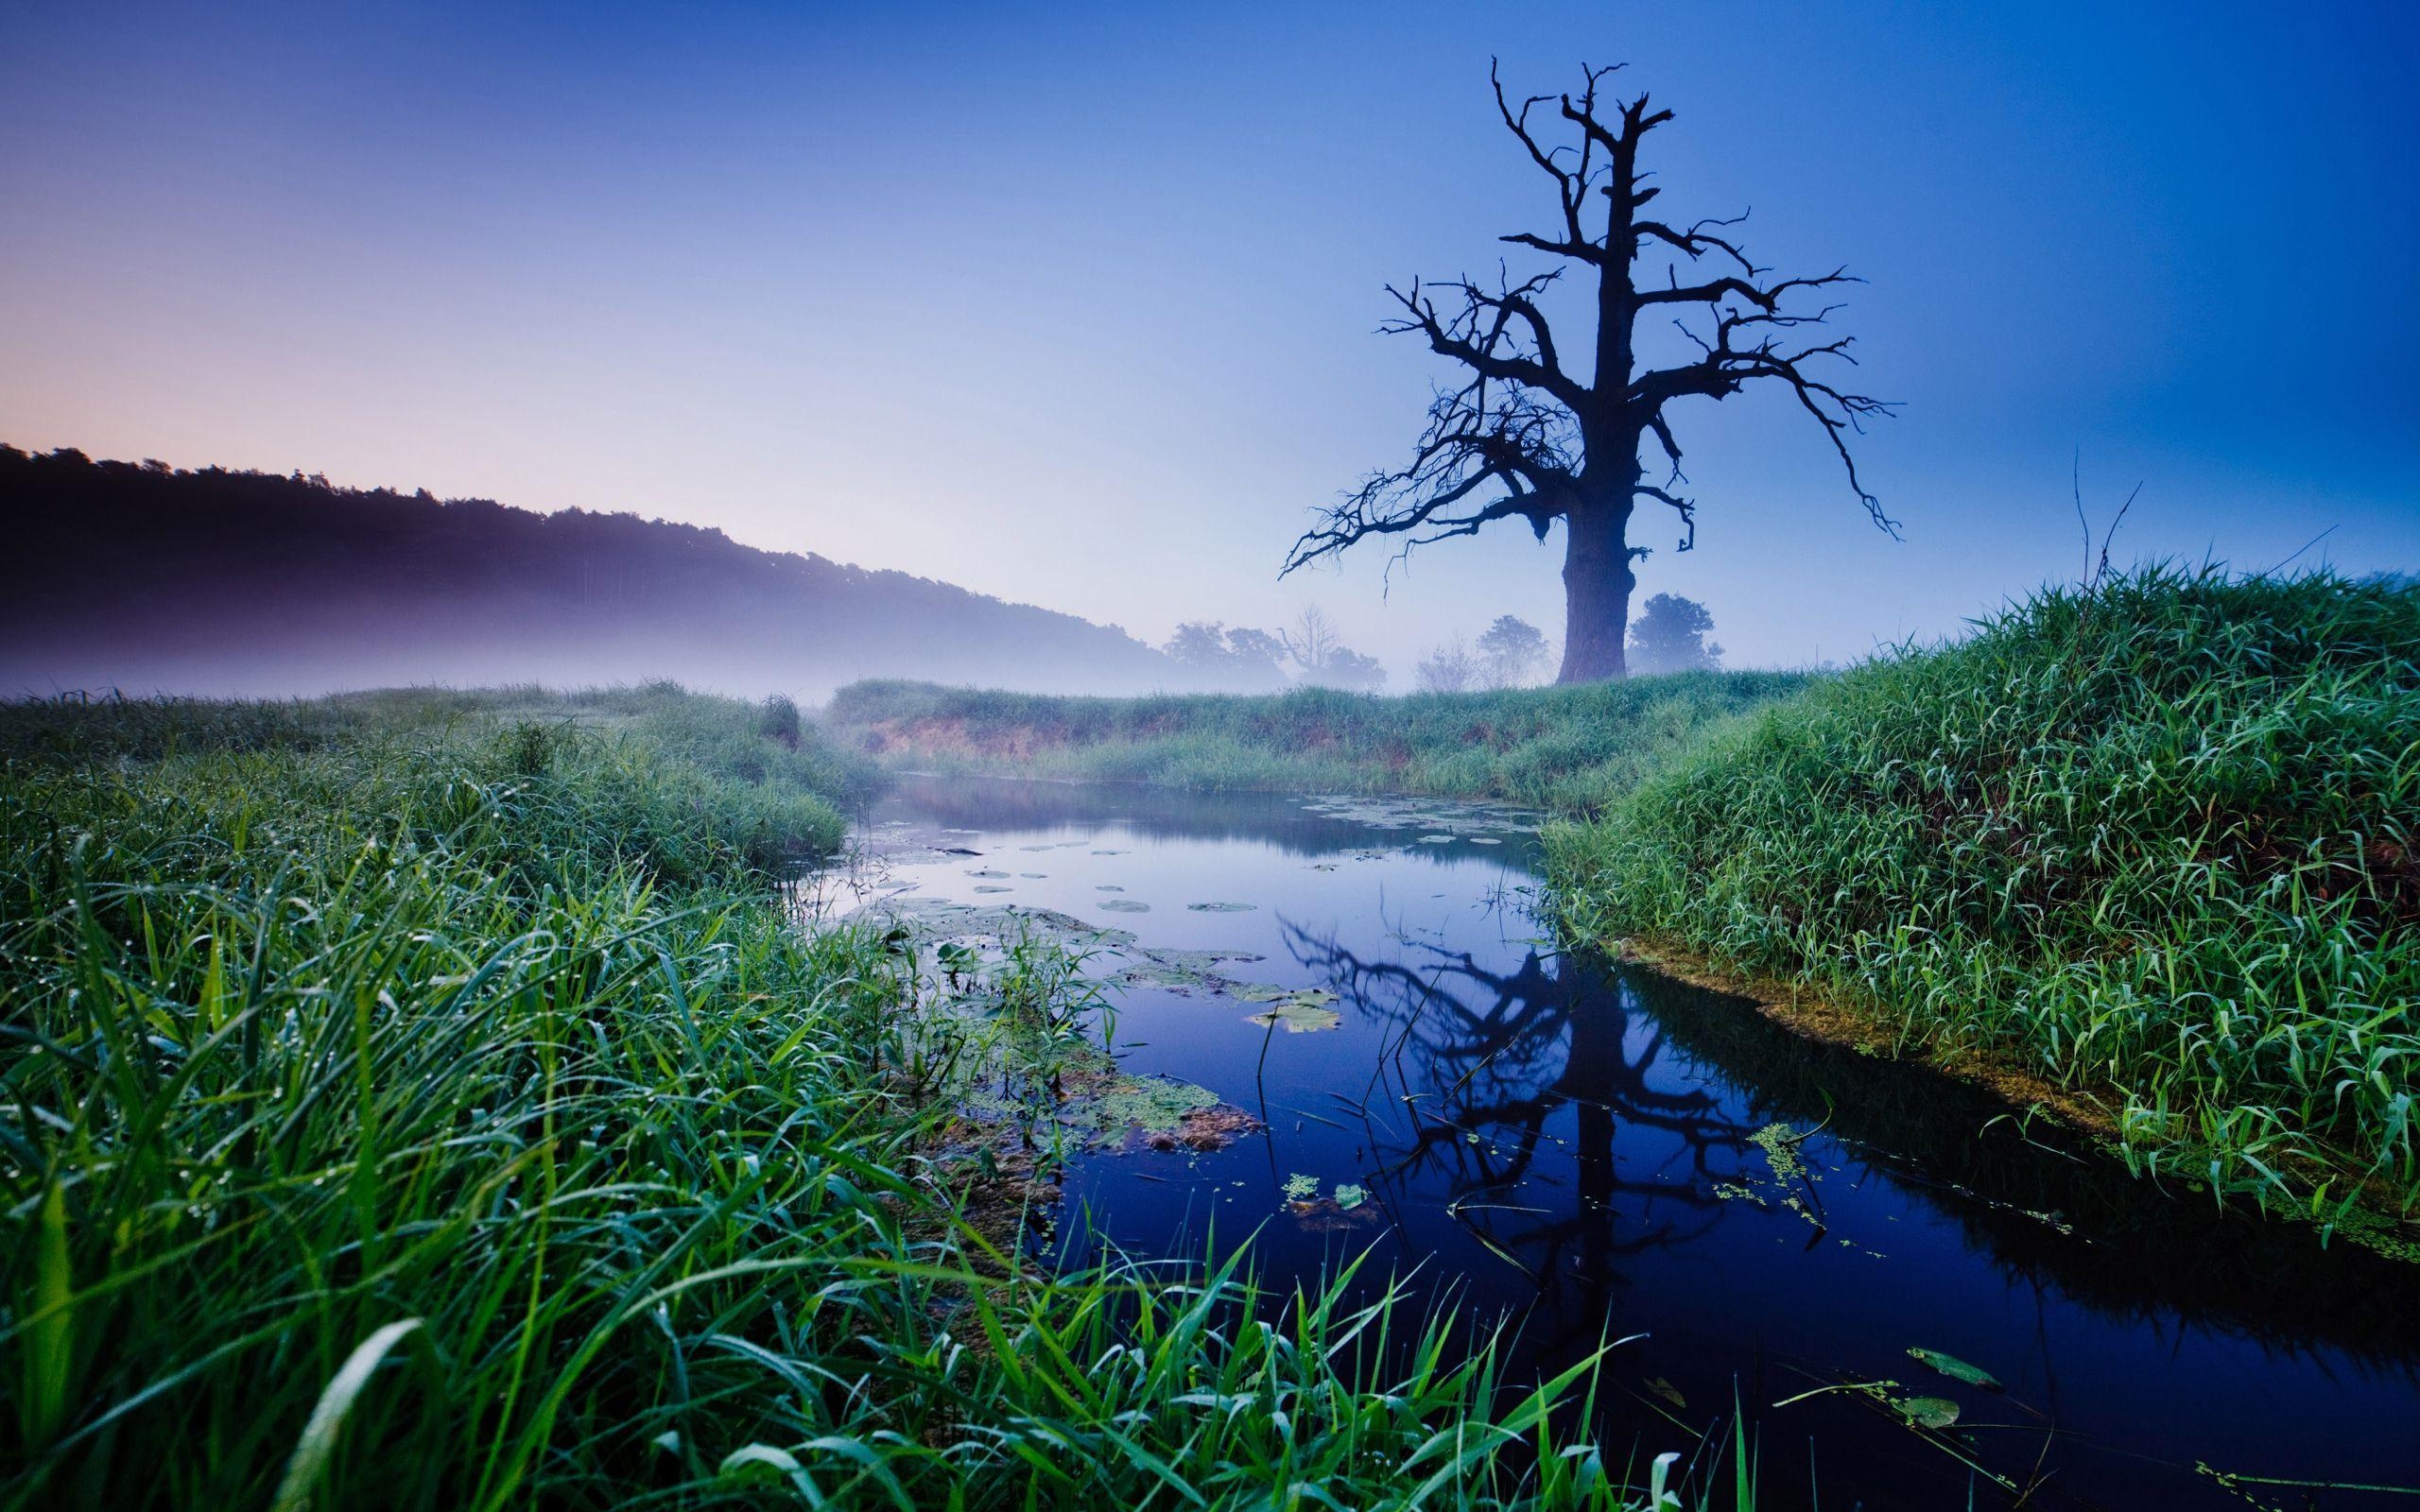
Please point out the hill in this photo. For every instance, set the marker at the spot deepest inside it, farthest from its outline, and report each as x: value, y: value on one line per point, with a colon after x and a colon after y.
x: 139, y: 576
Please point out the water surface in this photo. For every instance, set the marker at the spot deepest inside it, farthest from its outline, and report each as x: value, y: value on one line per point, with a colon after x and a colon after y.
x: 1592, y: 1150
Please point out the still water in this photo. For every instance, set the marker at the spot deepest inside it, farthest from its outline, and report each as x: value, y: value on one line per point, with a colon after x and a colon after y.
x: 1590, y: 1150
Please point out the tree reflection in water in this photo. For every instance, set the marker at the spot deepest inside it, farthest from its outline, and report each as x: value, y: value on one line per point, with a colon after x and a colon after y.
x: 1492, y: 1056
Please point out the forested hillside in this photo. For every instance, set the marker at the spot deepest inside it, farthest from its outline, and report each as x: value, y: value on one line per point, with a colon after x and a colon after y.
x: 138, y: 576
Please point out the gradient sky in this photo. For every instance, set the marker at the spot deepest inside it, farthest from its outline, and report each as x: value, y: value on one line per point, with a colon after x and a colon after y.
x: 1075, y: 304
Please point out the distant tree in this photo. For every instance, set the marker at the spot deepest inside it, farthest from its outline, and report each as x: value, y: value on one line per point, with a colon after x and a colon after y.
x: 1311, y: 640
x: 1260, y: 652
x: 1317, y: 649
x: 1670, y: 637
x: 1352, y: 671
x: 1512, y: 651
x: 1199, y: 644
x: 1448, y: 668
x: 1227, y: 656
x: 1526, y: 436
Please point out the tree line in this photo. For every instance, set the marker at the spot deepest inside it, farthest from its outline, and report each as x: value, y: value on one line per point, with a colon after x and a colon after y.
x: 1669, y: 636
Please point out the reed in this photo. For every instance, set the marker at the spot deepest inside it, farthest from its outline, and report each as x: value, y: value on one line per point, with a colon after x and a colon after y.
x: 423, y: 1106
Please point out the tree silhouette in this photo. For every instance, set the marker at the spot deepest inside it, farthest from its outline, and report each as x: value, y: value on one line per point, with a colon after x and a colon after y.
x: 1670, y: 637
x: 1526, y: 436
x: 1317, y: 648
x: 1514, y: 649
x: 1242, y: 656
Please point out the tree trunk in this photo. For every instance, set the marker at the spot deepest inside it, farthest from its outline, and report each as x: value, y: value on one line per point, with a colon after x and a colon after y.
x: 1595, y: 591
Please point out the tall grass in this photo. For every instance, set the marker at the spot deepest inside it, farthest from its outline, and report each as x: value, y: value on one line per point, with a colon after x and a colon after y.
x: 2153, y: 840
x: 409, y: 1113
x: 1567, y: 749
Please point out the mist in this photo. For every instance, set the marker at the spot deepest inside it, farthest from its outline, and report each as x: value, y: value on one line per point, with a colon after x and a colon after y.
x: 141, y: 579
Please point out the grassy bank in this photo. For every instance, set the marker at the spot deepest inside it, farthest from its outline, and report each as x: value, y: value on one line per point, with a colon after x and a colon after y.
x: 423, y: 1100
x: 2153, y: 843
x: 1565, y: 748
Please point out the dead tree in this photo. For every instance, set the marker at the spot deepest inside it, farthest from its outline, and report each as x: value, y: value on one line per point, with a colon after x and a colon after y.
x: 1524, y: 436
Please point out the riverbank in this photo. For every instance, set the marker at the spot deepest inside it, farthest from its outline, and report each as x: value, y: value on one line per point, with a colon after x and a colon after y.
x: 2145, y: 849
x: 2152, y: 844
x: 426, y: 1099
x: 1565, y: 749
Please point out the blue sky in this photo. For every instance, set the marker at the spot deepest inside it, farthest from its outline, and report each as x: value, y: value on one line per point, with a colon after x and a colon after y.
x: 1075, y: 304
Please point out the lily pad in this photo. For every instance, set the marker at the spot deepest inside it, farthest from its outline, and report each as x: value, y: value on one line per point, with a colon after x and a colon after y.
x: 1125, y: 905
x: 1957, y: 1369
x: 1184, y: 970
x: 995, y: 888
x: 1265, y: 992
x: 1109, y: 887
x: 985, y: 872
x: 1033, y: 876
x: 1668, y: 1392
x: 1929, y: 1411
x: 1350, y: 1197
x: 1435, y: 839
x: 1221, y: 908
x: 1300, y: 1012
x: 1109, y: 853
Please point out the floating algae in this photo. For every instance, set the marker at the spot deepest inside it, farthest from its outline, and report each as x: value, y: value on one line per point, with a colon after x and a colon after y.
x: 1780, y: 1143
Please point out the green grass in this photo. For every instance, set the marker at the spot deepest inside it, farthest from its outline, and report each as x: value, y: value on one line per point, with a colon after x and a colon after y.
x: 1566, y: 748
x: 425, y: 1101
x: 2154, y: 841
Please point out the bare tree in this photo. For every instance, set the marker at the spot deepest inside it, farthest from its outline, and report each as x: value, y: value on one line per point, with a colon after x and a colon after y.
x: 1448, y: 668
x: 1526, y: 436
x: 1317, y: 649
x: 1312, y: 641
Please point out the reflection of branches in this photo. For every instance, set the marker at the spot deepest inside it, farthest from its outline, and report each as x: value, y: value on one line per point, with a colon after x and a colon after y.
x: 1498, y: 1054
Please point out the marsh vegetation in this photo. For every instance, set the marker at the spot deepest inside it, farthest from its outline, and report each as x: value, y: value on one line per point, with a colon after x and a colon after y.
x: 432, y: 1101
